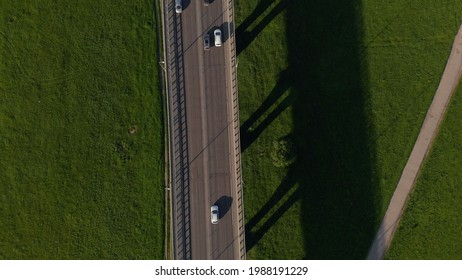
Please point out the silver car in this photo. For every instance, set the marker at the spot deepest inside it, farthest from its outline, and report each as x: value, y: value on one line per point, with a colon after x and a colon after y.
x: 207, y: 42
x: 214, y: 214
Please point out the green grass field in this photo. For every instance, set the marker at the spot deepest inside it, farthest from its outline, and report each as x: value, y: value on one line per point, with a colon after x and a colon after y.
x: 81, y: 144
x: 332, y: 96
x: 431, y: 224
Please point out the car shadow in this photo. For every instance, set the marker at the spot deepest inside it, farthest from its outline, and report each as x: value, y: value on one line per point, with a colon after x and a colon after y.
x: 224, y: 205
x: 186, y: 4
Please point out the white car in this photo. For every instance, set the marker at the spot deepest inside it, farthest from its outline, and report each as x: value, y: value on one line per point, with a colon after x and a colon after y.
x: 217, y: 34
x: 215, y: 216
x: 178, y: 6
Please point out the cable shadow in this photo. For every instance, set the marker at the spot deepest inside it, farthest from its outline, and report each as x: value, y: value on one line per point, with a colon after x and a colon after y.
x: 281, y: 86
x: 252, y: 238
x: 259, y: 9
x: 286, y: 184
x: 249, y: 136
x: 245, y: 38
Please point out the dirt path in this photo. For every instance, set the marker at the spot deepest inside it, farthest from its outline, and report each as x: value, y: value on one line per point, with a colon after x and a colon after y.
x: 429, y: 130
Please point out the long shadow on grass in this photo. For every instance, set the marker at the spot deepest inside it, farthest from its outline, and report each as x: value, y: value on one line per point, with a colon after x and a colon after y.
x: 333, y: 176
x: 339, y: 183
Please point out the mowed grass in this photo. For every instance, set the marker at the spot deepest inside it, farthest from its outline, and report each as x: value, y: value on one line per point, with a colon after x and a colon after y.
x: 81, y: 144
x: 349, y: 85
x: 432, y: 224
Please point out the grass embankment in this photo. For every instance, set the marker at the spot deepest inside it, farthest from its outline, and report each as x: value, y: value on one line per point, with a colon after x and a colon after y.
x: 80, y: 131
x: 332, y: 96
x: 431, y: 224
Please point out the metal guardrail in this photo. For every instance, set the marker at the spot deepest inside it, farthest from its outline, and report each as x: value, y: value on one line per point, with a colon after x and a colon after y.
x: 236, y: 125
x: 178, y: 133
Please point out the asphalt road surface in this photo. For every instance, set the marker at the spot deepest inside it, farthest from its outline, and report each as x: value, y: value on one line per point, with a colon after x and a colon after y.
x: 211, y: 129
x: 208, y: 119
